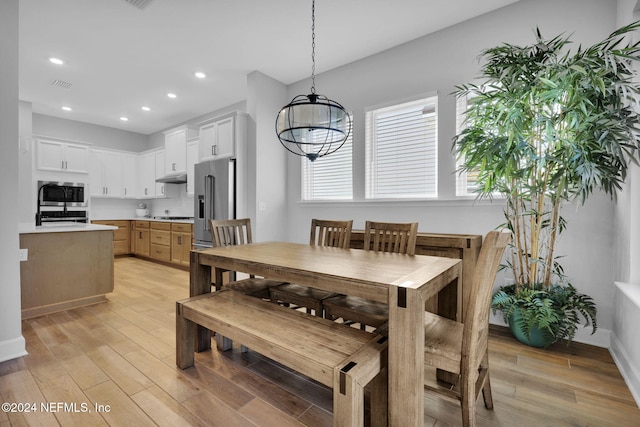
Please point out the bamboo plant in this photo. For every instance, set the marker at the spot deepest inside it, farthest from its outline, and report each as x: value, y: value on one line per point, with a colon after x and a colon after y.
x: 546, y: 126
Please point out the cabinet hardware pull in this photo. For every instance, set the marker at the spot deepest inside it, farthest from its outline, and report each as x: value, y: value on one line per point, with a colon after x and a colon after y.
x: 213, y: 150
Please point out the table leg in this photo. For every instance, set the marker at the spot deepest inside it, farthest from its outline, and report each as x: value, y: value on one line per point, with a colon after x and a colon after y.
x: 406, y: 357
x: 200, y: 283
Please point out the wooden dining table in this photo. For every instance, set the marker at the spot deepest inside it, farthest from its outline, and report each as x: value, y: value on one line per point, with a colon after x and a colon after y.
x: 404, y: 282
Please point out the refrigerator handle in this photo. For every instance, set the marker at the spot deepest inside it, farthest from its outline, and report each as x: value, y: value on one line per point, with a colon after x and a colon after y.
x: 209, y: 197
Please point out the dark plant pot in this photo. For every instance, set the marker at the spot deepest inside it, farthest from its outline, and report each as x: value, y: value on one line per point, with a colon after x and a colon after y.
x: 537, y: 338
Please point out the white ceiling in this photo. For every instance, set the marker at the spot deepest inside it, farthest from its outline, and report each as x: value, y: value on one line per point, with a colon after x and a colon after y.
x: 119, y: 57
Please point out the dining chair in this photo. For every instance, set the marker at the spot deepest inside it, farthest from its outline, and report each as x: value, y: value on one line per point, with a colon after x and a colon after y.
x: 323, y: 233
x: 231, y: 232
x: 462, y: 348
x: 380, y: 237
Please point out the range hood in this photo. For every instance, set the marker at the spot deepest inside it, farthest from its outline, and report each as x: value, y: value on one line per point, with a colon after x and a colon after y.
x: 180, y: 178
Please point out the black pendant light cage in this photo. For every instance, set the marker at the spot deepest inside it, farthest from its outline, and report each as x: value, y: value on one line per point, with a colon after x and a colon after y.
x: 313, y: 125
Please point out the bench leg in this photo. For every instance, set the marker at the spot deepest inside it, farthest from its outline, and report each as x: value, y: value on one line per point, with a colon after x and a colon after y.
x: 185, y: 340
x: 379, y: 406
x: 348, y: 400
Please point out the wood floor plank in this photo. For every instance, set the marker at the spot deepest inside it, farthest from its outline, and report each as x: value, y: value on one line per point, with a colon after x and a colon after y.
x: 21, y: 388
x: 119, y: 409
x: 171, y: 380
x: 79, y: 410
x: 79, y: 366
x: 261, y: 413
x: 164, y: 410
x: 147, y: 341
x: 119, y: 370
x: 214, y: 412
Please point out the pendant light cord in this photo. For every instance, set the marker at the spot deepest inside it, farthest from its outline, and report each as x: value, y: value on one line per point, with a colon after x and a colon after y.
x: 313, y: 47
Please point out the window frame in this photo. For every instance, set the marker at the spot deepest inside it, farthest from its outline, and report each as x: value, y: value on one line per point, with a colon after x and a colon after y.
x: 429, y: 105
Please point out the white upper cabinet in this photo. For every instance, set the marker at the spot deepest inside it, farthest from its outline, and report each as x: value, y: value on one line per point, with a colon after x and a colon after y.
x: 192, y: 159
x: 107, y: 173
x: 62, y: 157
x: 160, y: 172
x: 175, y: 149
x: 130, y: 176
x: 147, y: 175
x: 218, y: 138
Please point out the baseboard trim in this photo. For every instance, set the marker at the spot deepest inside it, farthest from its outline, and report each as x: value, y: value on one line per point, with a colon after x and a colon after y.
x: 12, y: 349
x: 626, y: 367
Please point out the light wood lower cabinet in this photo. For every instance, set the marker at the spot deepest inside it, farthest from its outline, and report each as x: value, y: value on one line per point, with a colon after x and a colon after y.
x: 169, y: 242
x: 121, y: 236
x: 160, y: 241
x: 181, y: 241
x: 141, y: 238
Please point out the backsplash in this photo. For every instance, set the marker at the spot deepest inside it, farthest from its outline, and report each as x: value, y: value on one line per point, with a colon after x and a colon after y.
x: 177, y: 203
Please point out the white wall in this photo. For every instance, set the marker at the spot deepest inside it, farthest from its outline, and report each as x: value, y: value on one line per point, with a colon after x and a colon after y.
x: 436, y: 63
x: 625, y: 346
x: 266, y: 198
x: 100, y: 136
x: 11, y: 341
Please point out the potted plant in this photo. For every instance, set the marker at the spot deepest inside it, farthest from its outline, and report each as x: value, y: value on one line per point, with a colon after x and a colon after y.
x: 544, y: 127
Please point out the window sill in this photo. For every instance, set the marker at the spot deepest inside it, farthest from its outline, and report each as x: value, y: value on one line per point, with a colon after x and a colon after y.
x: 460, y: 201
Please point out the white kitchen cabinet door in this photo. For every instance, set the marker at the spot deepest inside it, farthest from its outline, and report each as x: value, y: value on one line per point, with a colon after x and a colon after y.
x: 225, y: 135
x: 147, y: 175
x: 129, y: 175
x: 175, y: 148
x: 113, y: 174
x: 107, y: 174
x: 159, y: 173
x: 217, y: 139
x: 62, y: 157
x: 192, y: 159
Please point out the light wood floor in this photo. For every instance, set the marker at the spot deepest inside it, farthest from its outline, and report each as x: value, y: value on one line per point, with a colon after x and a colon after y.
x: 120, y: 355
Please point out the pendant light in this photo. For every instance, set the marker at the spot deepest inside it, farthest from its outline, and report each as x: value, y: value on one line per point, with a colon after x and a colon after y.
x: 313, y: 125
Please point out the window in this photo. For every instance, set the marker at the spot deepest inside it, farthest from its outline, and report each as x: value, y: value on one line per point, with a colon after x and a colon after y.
x: 329, y: 177
x: 401, y: 151
x: 466, y: 182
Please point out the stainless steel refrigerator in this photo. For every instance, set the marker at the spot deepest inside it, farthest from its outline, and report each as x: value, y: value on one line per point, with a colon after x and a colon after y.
x: 214, y: 197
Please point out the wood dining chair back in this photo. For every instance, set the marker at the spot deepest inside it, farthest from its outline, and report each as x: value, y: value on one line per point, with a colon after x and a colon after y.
x: 391, y: 237
x: 380, y: 237
x: 462, y: 348
x: 330, y: 233
x: 232, y: 232
x: 323, y: 233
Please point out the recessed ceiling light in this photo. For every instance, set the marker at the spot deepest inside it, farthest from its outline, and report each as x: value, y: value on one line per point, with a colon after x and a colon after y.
x: 65, y: 108
x: 145, y: 108
x: 200, y: 75
x: 172, y: 95
x: 56, y: 61
x: 124, y: 119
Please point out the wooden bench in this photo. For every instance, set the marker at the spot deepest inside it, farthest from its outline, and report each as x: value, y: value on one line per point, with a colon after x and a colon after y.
x: 343, y: 358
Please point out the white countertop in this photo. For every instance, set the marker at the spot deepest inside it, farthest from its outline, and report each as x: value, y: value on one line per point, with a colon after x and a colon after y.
x: 141, y: 218
x: 61, y: 227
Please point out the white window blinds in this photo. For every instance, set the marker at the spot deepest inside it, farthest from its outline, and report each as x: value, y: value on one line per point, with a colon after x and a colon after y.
x: 329, y: 177
x: 401, y: 151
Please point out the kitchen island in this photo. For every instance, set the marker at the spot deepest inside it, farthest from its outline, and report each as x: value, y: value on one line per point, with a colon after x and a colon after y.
x: 68, y: 265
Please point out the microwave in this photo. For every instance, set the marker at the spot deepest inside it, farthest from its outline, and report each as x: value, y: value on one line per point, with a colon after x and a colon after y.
x: 51, y: 193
